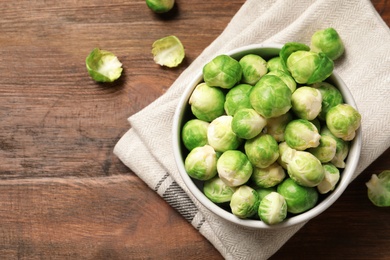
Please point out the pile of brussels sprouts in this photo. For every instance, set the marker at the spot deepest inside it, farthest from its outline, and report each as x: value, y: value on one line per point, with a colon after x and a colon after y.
x: 269, y: 137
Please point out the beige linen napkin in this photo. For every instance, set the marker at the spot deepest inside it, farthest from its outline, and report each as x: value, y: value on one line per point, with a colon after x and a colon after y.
x: 147, y: 147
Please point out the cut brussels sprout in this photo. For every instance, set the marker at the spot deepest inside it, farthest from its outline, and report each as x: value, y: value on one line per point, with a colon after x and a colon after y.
x: 160, y: 6
x: 201, y: 163
x: 343, y: 121
x: 168, y: 51
x: 331, y: 97
x: 223, y: 71
x: 326, y: 150
x: 277, y: 125
x: 301, y: 134
x: 331, y: 178
x: 221, y: 136
x: 194, y: 133
x: 247, y: 123
x: 287, y: 79
x: 234, y: 168
x: 378, y: 189
x: 273, y: 208
x: 217, y: 191
x: 244, y: 202
x: 253, y: 68
x: 342, y: 148
x: 306, y: 102
x: 327, y: 41
x: 262, y: 151
x: 268, y: 177
x: 237, y: 98
x: 207, y: 103
x: 103, y: 66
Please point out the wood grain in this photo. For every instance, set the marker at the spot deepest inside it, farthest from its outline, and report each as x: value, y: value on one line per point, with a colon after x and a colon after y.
x: 64, y: 195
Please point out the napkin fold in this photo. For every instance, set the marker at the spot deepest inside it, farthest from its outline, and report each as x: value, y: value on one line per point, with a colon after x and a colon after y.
x: 147, y: 147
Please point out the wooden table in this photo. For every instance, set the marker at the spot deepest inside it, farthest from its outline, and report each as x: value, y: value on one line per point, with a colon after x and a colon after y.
x: 64, y: 195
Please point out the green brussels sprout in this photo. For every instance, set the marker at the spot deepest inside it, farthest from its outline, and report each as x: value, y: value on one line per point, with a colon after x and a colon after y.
x: 298, y: 198
x: 306, y: 102
x: 264, y: 192
x: 277, y: 125
x: 160, y: 6
x: 289, y: 48
x: 103, y: 66
x: 237, y: 98
x: 217, y: 191
x: 331, y: 178
x: 287, y: 79
x: 221, y: 136
x: 269, y: 176
x: 326, y: 150
x: 331, y: 97
x: 168, y: 51
x: 253, y: 68
x: 262, y: 151
x: 270, y: 97
x: 207, y: 103
x: 273, y: 208
x: 244, y: 202
x: 308, y: 67
x: 303, y: 167
x: 201, y: 163
x: 223, y: 71
x: 247, y: 123
x: 234, y: 168
x: 194, y: 133
x: 283, y: 146
x: 343, y: 120
x: 301, y: 134
x: 378, y: 189
x: 327, y: 41
x: 342, y: 148
x: 275, y: 63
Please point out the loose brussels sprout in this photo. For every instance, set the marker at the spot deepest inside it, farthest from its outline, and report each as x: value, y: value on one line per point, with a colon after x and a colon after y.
x: 217, y: 191
x: 342, y: 148
x: 327, y: 41
x: 269, y: 176
x: 378, y: 189
x: 303, y: 167
x: 326, y: 150
x: 262, y: 151
x: 301, y: 134
x: 331, y: 97
x: 103, y: 66
x: 253, y: 68
x: 343, y: 120
x: 247, y: 123
x: 160, y: 6
x: 275, y: 63
x: 276, y: 126
x: 223, y: 71
x: 244, y: 202
x: 270, y: 97
x: 285, y: 76
x: 168, y: 51
x: 194, y: 133
x: 273, y: 208
x: 207, y: 103
x: 234, y: 168
x: 221, y: 136
x: 201, y: 163
x: 298, y: 198
x: 237, y: 98
x: 308, y: 67
x: 331, y: 178
x: 306, y: 102
x: 283, y: 146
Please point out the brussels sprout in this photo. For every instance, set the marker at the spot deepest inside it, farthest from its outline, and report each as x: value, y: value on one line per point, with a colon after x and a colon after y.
x: 289, y: 48
x: 343, y: 120
x: 331, y: 178
x: 273, y: 208
x: 303, y: 167
x: 207, y: 103
x: 234, y: 168
x: 276, y: 126
x: 269, y: 176
x: 194, y: 133
x: 201, y: 163
x: 237, y: 98
x: 275, y: 63
x: 160, y: 6
x: 326, y: 150
x: 270, y: 97
x: 103, y: 66
x: 378, y: 189
x: 342, y: 148
x: 331, y: 97
x: 287, y: 79
x: 306, y: 102
x: 253, y: 68
x: 247, y: 123
x: 221, y: 136
x: 298, y: 198
x: 223, y: 71
x: 244, y: 202
x: 327, y: 41
x: 262, y: 151
x: 301, y: 134
x: 308, y: 67
x: 217, y: 191
x: 168, y: 51
x: 264, y: 192
x: 283, y: 146
x: 316, y: 122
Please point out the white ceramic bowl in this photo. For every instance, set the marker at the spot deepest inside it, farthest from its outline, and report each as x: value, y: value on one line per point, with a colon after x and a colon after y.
x: 182, y: 115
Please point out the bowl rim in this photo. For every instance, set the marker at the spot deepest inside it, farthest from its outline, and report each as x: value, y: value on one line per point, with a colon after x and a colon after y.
x: 347, y: 174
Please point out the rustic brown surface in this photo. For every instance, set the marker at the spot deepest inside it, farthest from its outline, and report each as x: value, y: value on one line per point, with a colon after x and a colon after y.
x: 64, y: 195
